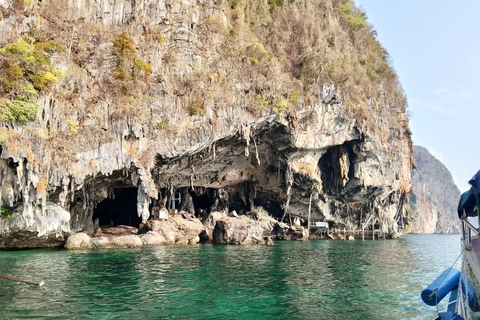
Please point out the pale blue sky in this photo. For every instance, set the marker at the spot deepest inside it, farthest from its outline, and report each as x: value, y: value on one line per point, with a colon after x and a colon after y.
x: 435, y: 49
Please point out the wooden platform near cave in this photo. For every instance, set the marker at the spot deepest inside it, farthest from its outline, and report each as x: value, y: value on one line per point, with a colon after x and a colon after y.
x: 357, y: 234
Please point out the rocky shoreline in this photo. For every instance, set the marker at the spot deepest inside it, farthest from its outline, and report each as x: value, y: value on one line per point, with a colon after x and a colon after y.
x: 183, y: 228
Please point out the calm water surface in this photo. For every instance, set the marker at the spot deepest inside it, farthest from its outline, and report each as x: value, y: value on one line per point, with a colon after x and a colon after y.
x: 322, y: 279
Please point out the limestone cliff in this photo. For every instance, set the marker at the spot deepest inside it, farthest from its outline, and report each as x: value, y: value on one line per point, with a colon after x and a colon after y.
x: 113, y: 109
x: 434, y: 197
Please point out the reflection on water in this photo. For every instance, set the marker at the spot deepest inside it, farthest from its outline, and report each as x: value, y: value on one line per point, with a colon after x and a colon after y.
x: 291, y: 280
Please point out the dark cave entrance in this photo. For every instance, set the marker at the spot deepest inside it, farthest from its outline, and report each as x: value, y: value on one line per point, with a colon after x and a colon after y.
x: 121, y: 210
x: 240, y: 198
x: 239, y: 204
x: 273, y: 207
x: 203, y: 201
x: 334, y: 175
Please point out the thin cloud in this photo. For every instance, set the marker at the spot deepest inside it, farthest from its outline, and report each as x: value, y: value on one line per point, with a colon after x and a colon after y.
x: 442, y: 92
x: 447, y: 93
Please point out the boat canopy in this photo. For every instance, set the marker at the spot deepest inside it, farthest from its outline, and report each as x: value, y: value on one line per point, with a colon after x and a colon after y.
x: 468, y: 200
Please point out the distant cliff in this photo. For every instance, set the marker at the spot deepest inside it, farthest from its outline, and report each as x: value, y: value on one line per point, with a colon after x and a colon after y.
x: 434, y: 196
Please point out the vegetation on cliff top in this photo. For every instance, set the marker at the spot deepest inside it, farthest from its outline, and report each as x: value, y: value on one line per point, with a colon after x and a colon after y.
x: 279, y: 47
x: 266, y: 57
x: 128, y: 66
x: 26, y: 69
x: 323, y: 42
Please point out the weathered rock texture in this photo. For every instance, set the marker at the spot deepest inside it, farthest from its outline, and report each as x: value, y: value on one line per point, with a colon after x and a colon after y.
x: 247, y: 103
x: 434, y: 197
x: 257, y: 229
x: 182, y: 229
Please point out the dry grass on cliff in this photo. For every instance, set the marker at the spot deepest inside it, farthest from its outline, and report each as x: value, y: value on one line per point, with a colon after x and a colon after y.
x: 274, y: 47
x: 317, y: 42
x: 267, y: 57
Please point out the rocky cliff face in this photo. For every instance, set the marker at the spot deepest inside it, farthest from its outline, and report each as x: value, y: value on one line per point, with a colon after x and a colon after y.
x: 199, y: 106
x: 434, y: 197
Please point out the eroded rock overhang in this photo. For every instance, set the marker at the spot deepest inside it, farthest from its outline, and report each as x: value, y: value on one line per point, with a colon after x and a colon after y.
x: 321, y: 159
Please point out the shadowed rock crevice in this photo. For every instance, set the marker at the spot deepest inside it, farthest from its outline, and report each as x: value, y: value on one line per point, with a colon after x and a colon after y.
x: 119, y: 209
x: 337, y: 168
x: 270, y: 203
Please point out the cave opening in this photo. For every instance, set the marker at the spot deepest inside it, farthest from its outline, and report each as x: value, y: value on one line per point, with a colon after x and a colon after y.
x: 327, y: 169
x: 336, y: 167
x: 121, y: 210
x: 238, y: 205
x: 203, y: 200
x: 273, y: 207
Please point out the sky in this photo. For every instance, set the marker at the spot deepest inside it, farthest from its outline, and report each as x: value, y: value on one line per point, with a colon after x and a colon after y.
x: 435, y: 49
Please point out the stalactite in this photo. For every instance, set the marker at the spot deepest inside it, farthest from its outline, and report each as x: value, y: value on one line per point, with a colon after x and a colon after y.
x: 143, y: 202
x: 246, y: 136
x: 256, y: 152
x: 289, y: 181
x: 278, y: 174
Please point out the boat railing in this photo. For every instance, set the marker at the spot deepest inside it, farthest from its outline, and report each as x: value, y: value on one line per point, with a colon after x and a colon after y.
x: 468, y: 229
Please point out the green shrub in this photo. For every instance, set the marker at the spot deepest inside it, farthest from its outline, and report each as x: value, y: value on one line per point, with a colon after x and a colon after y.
x: 19, y: 111
x: 26, y: 65
x: 43, y: 80
x: 383, y: 70
x: 261, y: 211
x: 124, y: 46
x: 355, y: 20
x: 163, y: 125
x: 258, y: 54
x: 261, y: 103
x: 196, y: 110
x: 49, y: 47
x: 13, y: 70
x: 72, y: 126
x: 275, y: 3
x: 356, y: 23
x: 120, y: 74
x: 231, y: 34
x: 6, y: 212
x: 292, y: 96
x: 127, y: 59
x: 280, y: 108
x: 143, y: 66
x: 20, y: 48
x: 253, y: 61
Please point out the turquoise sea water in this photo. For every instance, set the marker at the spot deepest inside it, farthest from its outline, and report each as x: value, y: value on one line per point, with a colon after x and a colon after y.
x: 320, y: 279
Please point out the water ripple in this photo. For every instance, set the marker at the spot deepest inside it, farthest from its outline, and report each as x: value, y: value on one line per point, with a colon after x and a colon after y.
x: 292, y: 280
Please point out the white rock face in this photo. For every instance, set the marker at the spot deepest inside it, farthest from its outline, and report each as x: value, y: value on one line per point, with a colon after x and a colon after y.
x: 153, y: 238
x: 78, y: 241
x: 52, y: 220
x: 131, y: 241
